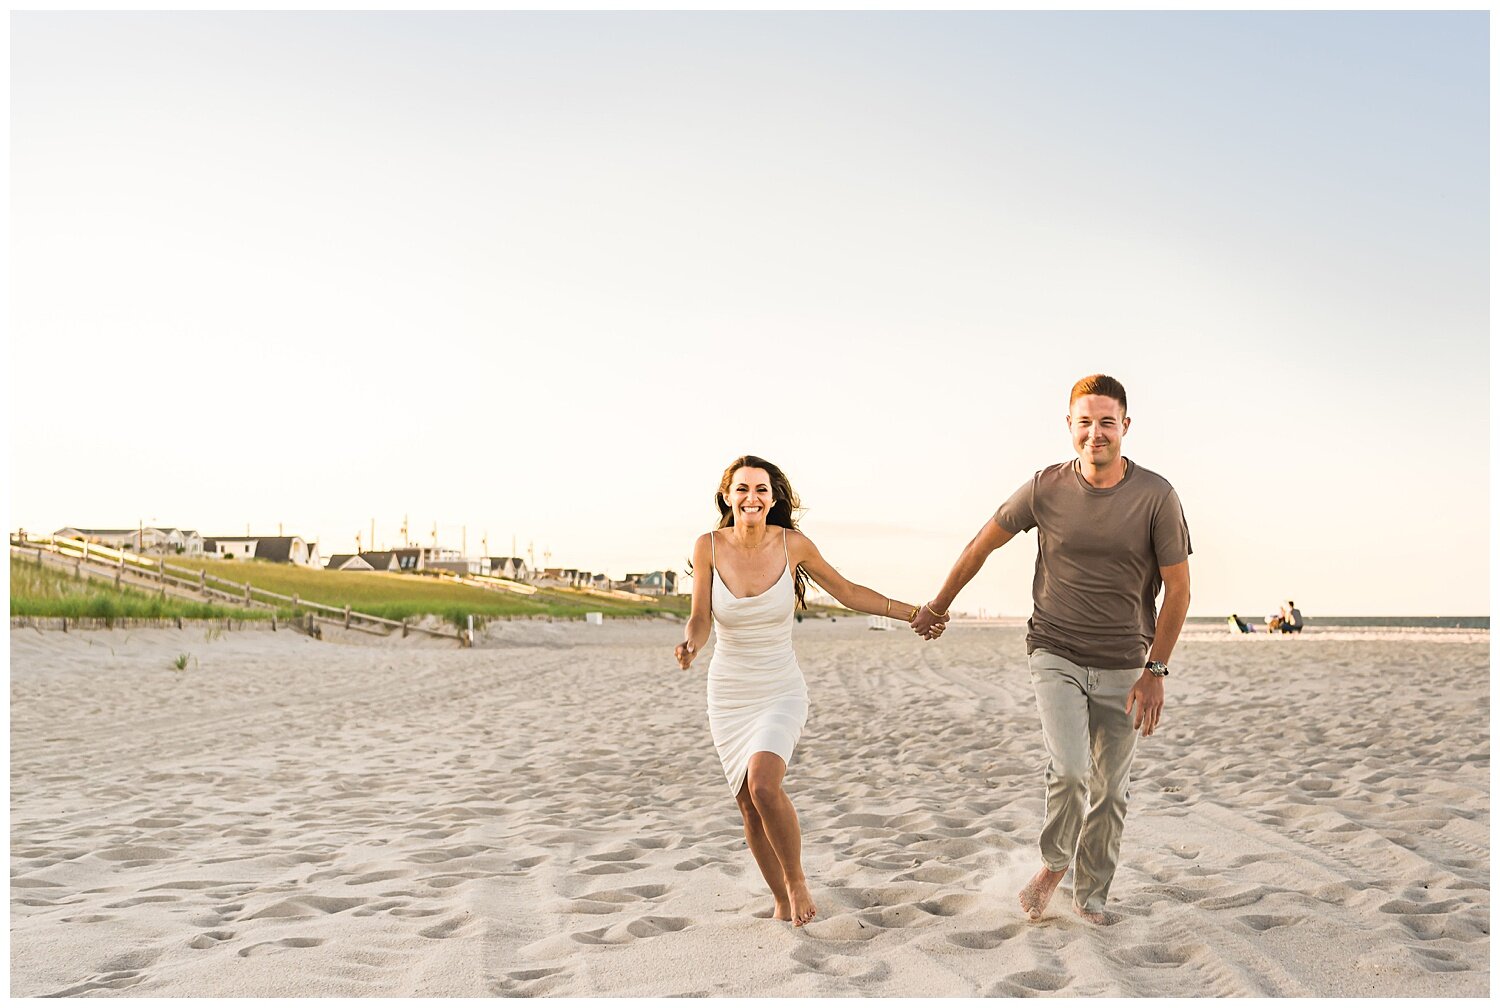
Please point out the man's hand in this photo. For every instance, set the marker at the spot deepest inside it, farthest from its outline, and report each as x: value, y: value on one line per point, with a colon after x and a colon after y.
x: 1146, y: 698
x: 685, y: 653
x: 927, y: 624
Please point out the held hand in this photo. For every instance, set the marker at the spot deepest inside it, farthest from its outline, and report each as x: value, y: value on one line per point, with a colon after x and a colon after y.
x: 1146, y: 699
x: 685, y: 653
x: 927, y: 624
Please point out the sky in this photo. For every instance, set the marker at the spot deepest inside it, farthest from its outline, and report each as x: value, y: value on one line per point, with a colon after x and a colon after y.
x: 540, y: 277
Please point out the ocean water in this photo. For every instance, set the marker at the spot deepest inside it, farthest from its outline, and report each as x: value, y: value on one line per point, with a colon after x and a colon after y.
x: 1328, y: 622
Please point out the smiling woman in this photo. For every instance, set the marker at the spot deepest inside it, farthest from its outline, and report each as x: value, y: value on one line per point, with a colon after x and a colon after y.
x: 775, y: 490
x: 757, y: 698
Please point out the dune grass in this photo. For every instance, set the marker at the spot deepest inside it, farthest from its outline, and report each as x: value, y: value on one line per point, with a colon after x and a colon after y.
x: 411, y: 596
x: 39, y: 590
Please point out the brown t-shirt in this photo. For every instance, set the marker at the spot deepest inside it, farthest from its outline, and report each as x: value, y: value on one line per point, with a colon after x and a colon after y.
x: 1099, y: 554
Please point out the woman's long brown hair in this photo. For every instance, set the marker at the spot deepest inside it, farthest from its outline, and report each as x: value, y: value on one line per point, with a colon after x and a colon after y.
x: 783, y: 511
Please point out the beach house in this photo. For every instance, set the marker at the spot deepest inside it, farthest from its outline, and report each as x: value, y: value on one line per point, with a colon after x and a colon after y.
x: 141, y: 539
x: 277, y: 549
x: 654, y: 583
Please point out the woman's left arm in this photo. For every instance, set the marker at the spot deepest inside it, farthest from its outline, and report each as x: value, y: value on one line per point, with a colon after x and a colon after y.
x: 800, y: 550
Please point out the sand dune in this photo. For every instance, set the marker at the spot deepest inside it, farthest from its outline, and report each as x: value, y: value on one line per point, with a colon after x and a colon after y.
x: 544, y: 815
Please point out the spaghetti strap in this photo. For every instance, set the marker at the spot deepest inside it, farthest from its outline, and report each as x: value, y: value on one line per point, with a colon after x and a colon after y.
x: 784, y: 552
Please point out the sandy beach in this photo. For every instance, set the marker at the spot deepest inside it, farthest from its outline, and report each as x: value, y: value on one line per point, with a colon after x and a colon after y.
x: 544, y: 814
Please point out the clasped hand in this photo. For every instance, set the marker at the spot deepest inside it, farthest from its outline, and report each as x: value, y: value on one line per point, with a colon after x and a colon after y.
x: 927, y: 624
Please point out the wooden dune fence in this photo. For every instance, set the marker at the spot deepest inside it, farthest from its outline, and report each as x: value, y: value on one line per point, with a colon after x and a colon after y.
x: 125, y: 568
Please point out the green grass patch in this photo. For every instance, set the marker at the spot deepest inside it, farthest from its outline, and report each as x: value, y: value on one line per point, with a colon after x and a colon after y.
x: 39, y: 590
x: 411, y: 596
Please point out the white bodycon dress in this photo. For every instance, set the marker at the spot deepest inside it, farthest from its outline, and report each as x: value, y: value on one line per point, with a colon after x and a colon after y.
x: 757, y: 698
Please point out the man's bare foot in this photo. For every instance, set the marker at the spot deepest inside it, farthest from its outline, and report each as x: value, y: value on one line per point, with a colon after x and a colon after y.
x: 1101, y: 917
x: 802, y: 909
x: 1038, y: 892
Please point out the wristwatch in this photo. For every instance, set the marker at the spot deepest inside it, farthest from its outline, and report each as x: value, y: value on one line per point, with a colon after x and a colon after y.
x: 1156, y: 668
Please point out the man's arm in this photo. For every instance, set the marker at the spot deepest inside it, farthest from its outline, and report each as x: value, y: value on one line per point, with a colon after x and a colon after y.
x: 1174, y: 607
x: 1146, y: 696
x: 990, y: 538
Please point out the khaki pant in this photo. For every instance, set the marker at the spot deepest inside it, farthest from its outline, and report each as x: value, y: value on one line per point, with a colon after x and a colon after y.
x: 1090, y: 741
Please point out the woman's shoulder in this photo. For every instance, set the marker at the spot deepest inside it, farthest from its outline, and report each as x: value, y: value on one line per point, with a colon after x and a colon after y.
x: 798, y: 541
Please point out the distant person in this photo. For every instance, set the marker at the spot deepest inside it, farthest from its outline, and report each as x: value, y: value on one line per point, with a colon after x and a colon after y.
x: 757, y: 699
x: 1239, y: 625
x: 1110, y: 535
x: 1293, y: 622
x: 1275, y: 621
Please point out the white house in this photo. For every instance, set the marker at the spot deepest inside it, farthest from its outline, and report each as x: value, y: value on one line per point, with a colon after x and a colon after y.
x: 141, y: 539
x: 277, y: 549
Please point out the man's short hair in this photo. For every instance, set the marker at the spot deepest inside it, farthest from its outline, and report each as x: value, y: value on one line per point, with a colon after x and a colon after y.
x: 1098, y: 384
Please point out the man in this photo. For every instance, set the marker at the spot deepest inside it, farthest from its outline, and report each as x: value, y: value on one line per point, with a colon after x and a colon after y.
x: 1110, y: 535
x: 1293, y: 623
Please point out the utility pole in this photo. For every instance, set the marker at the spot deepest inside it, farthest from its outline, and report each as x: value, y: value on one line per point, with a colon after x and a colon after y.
x: 405, y: 520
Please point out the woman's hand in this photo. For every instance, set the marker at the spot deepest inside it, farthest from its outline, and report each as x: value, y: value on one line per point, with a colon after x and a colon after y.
x: 928, y: 624
x: 685, y: 653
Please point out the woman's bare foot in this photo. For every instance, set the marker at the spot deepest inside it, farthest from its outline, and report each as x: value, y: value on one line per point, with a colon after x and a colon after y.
x: 802, y: 909
x: 783, y: 911
x: 1038, y: 892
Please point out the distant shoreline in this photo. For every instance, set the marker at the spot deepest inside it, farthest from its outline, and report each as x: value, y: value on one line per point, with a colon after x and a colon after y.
x: 1313, y: 622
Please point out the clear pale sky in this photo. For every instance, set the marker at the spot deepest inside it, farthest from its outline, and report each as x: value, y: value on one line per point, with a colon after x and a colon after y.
x: 544, y: 275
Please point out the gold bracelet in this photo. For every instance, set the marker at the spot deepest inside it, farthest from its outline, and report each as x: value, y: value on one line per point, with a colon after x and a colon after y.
x: 887, y: 607
x: 939, y: 615
x: 914, y: 611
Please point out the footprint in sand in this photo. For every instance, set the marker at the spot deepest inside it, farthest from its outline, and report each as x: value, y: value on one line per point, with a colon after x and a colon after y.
x: 307, y: 906
x: 104, y: 981
x: 951, y: 905
x: 693, y: 864
x: 841, y: 927
x: 1239, y: 899
x: 631, y: 894
x: 261, y: 948
x: 903, y: 916
x: 530, y: 982
x: 1403, y: 907
x: 1265, y: 922
x: 939, y: 873
x: 1029, y: 983
x: 619, y: 934
x: 448, y: 927
x: 613, y: 868
x: 811, y: 960
x: 1438, y: 961
x: 985, y: 939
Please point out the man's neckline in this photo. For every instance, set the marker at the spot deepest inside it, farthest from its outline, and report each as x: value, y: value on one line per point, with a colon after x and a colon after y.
x: 1077, y: 468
